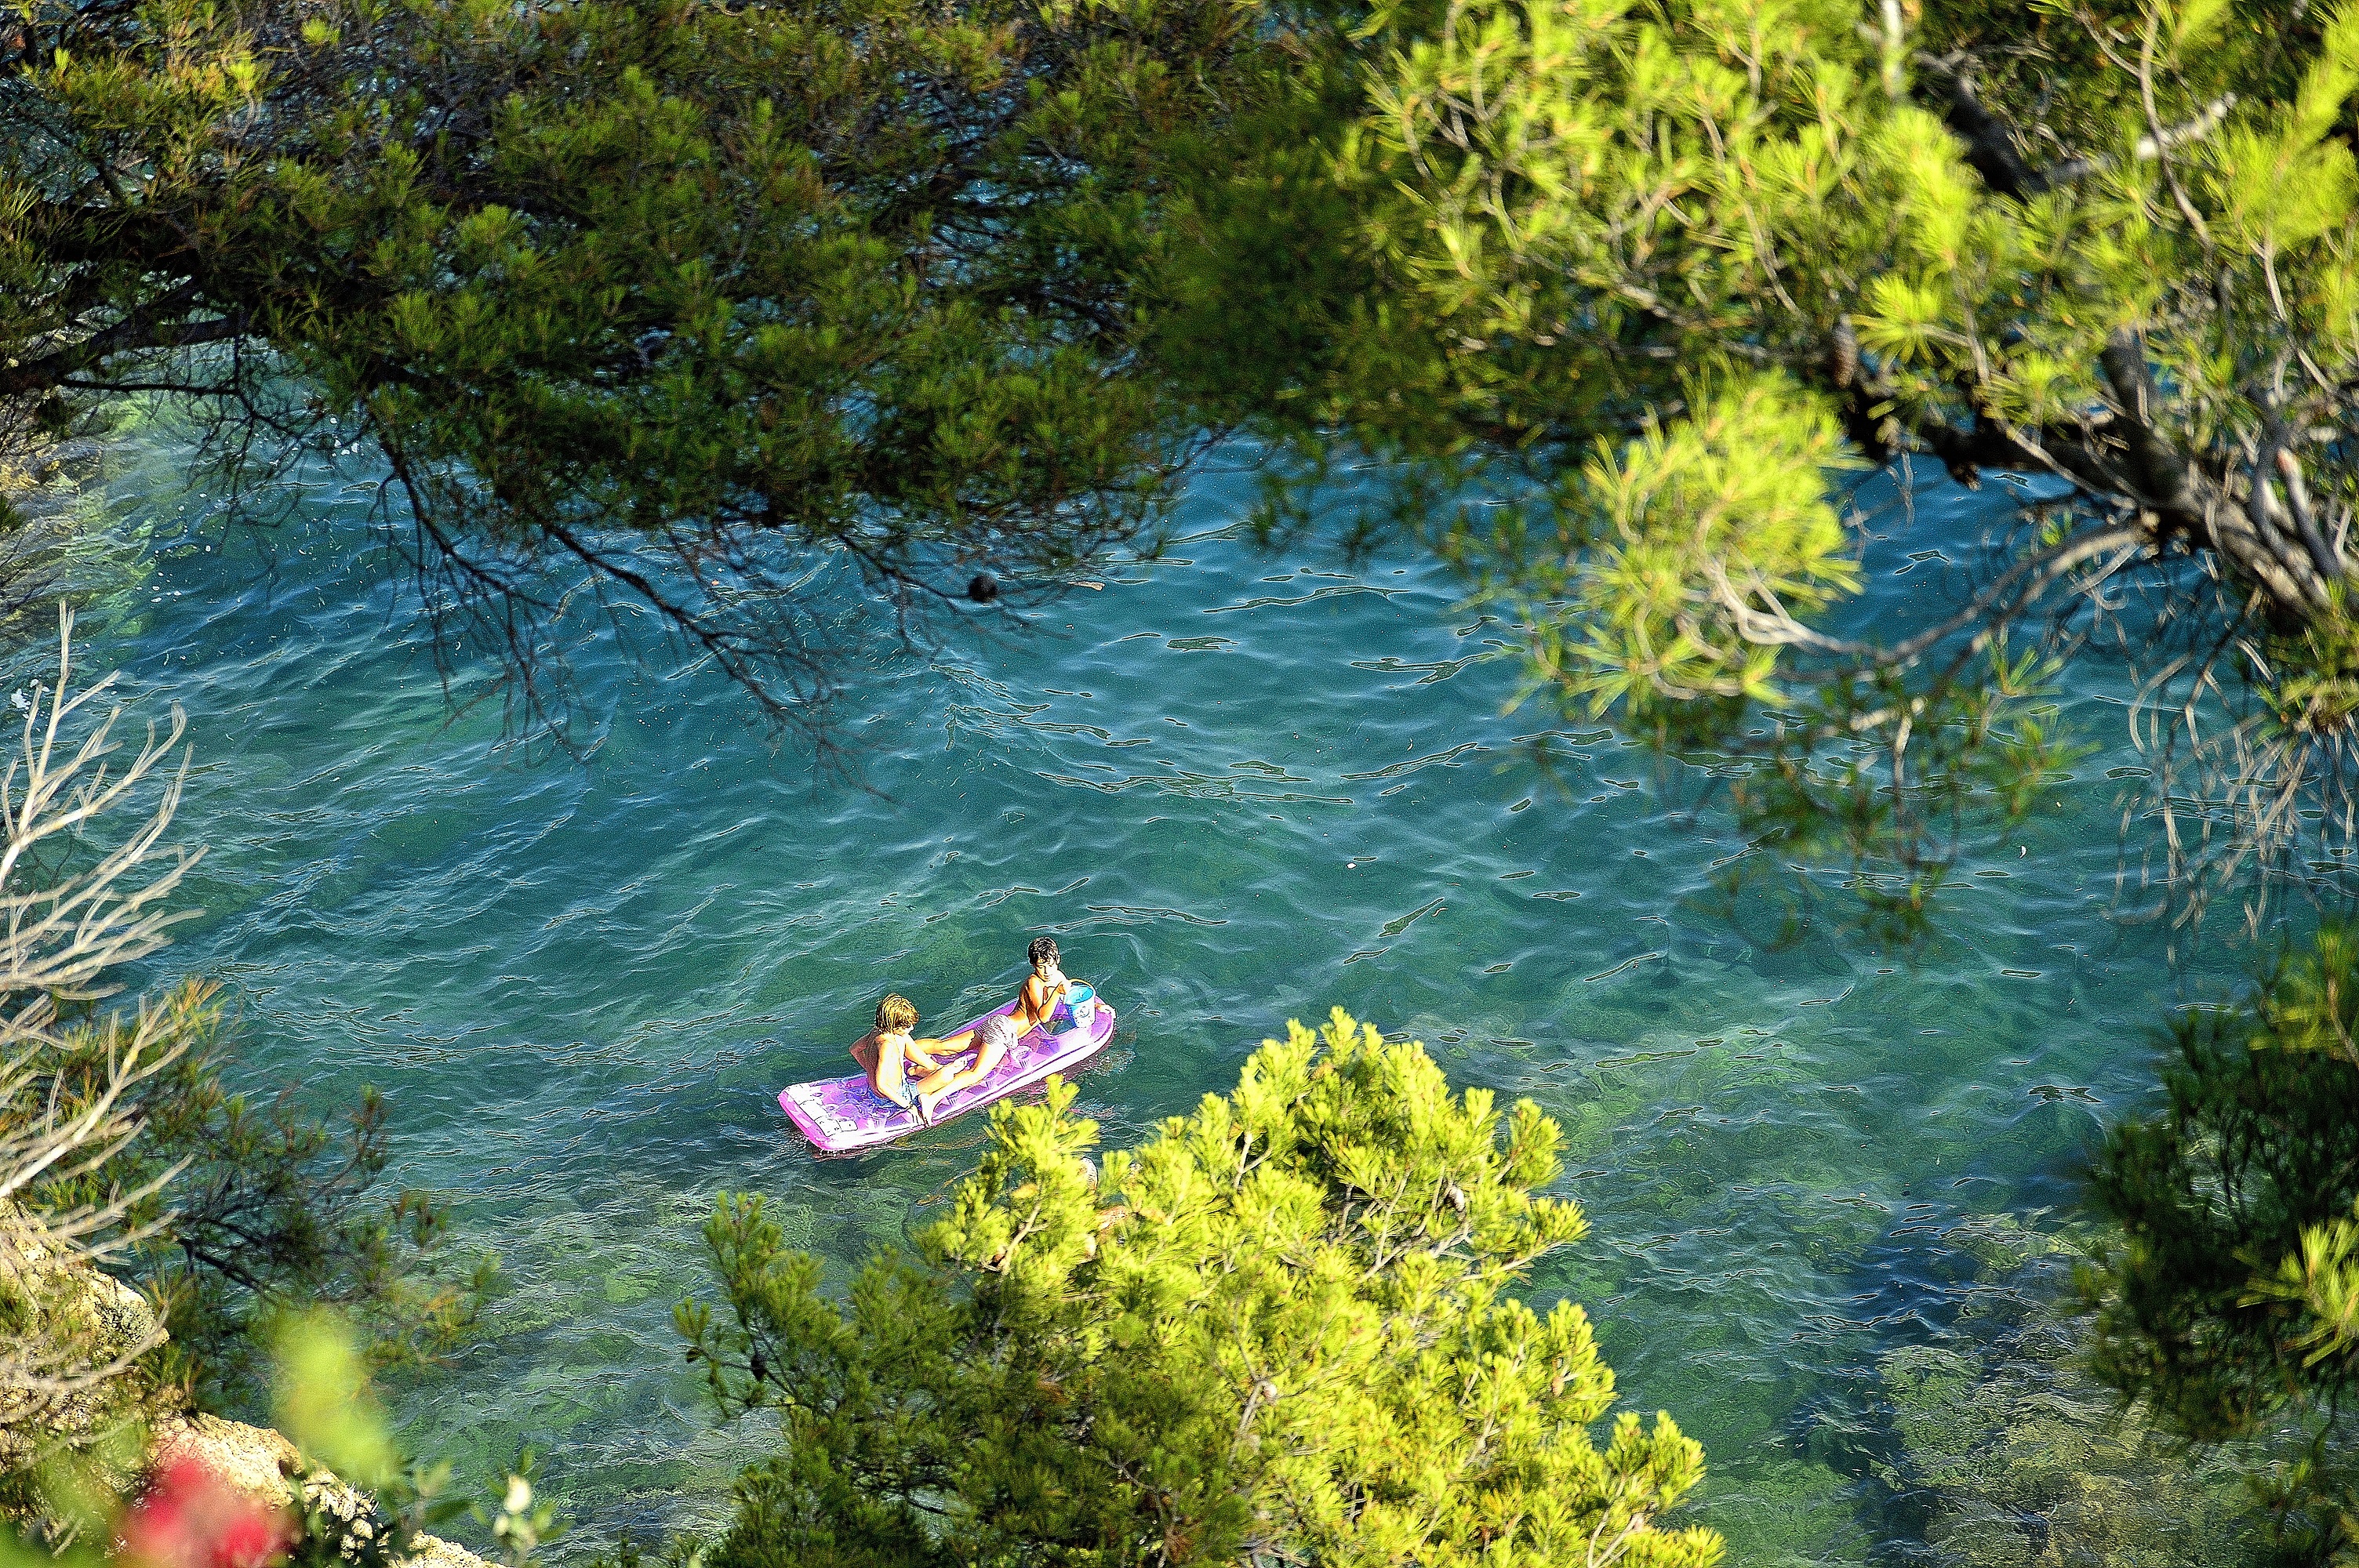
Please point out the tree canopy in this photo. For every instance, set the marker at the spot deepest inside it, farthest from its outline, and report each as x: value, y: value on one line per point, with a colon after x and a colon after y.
x: 1279, y: 1331
x: 1656, y: 283
x: 706, y: 306
x: 680, y: 300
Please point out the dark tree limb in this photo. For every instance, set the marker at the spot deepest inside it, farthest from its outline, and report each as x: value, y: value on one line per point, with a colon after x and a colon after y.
x: 148, y: 327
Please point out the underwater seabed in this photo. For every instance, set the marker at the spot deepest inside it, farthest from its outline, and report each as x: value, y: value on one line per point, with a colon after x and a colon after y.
x: 1823, y: 1177
x: 1923, y: 1403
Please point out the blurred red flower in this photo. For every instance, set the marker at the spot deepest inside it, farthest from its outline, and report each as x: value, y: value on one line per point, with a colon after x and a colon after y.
x: 191, y: 1518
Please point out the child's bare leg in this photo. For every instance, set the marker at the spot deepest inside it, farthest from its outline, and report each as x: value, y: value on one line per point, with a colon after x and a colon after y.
x: 949, y: 1080
x: 992, y: 1043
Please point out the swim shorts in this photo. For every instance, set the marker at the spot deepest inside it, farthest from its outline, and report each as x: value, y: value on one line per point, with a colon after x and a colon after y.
x: 1000, y: 1029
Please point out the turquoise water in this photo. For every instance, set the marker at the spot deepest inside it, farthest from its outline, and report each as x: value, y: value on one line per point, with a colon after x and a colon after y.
x: 1238, y: 787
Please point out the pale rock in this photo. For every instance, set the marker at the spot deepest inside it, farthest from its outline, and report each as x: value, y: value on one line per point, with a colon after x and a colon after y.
x: 253, y: 1460
x: 263, y: 1465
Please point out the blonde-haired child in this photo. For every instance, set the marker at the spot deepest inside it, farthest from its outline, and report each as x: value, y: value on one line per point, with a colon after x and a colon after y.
x: 887, y: 1051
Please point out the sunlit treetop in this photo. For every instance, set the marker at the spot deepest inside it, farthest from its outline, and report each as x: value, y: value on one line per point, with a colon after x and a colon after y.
x: 1282, y: 1329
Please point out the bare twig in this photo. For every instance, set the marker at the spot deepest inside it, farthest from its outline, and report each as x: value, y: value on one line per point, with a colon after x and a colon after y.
x: 65, y: 922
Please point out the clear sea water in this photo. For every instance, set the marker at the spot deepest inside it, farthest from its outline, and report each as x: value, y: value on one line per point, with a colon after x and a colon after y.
x: 1238, y: 787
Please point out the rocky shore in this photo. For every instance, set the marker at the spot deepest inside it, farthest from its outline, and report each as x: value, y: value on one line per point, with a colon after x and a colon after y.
x: 55, y: 1297
x: 260, y: 1464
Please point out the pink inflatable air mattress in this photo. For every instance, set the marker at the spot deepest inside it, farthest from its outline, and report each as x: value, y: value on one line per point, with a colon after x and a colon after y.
x: 839, y: 1115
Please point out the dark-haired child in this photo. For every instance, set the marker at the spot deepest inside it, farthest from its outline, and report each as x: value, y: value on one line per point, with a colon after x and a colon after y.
x: 999, y: 1034
x: 1044, y: 987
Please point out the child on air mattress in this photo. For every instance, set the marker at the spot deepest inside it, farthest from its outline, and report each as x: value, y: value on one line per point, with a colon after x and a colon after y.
x: 997, y: 1035
x: 887, y: 1051
x: 1044, y: 987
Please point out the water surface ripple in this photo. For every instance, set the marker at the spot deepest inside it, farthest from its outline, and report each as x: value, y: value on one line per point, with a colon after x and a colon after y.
x: 1237, y: 788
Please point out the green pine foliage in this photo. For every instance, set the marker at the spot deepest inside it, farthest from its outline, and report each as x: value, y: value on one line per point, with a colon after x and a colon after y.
x: 1631, y: 291
x: 2224, y: 1307
x: 1757, y: 222
x: 1281, y: 1330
